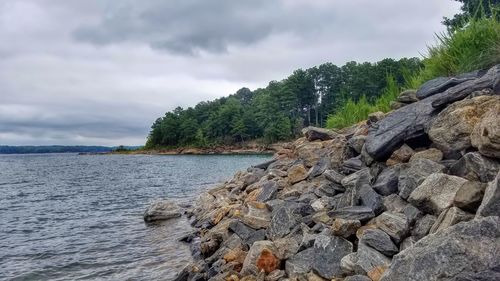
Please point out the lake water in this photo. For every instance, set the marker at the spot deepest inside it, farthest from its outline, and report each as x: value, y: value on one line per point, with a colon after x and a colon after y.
x: 71, y: 217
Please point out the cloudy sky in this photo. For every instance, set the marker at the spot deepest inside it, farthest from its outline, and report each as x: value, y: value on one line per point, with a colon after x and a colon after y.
x: 101, y: 71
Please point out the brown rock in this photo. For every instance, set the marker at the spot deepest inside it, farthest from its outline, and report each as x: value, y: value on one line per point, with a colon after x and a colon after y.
x: 267, y: 261
x: 297, y: 173
x: 432, y: 154
x: 449, y: 217
x: 401, y: 155
x: 376, y: 273
x: 486, y: 134
x: 469, y: 196
x: 345, y: 228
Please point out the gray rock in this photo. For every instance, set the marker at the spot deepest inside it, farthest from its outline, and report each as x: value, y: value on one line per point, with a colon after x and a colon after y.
x: 396, y: 225
x: 407, y: 243
x: 286, y: 247
x: 350, y: 266
x: 374, y: 117
x: 318, y: 169
x: 268, y: 192
x: 393, y: 203
x: 282, y: 221
x: 357, y: 142
x: 380, y: 241
x: 345, y: 228
x: 162, y: 210
x: 333, y: 176
x: 423, y: 226
x: 412, y: 213
x: 248, y: 235
x: 357, y: 278
x: 352, y: 165
x: 314, y: 133
x: 408, y: 96
x: 441, y: 84
x: 387, y: 181
x: 357, y: 179
x: 436, y: 193
x: 264, y: 165
x: 368, y: 197
x: 459, y: 251
x: 490, y: 205
x: 361, y: 213
x: 413, y: 174
x: 396, y: 105
x: 449, y: 217
x: 300, y: 263
x: 469, y: 196
x: 474, y: 166
x: 369, y: 258
x: 329, y: 250
x: 329, y: 189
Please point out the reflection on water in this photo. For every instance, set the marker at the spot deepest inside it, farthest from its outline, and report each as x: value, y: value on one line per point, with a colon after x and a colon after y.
x: 65, y: 216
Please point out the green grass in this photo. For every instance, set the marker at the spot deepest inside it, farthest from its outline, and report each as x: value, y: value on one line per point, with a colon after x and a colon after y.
x: 476, y: 46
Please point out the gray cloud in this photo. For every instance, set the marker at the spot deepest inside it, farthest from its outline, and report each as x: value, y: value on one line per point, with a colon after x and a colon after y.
x: 101, y: 71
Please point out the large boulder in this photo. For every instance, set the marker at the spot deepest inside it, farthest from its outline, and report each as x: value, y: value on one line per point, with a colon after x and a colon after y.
x: 314, y: 133
x: 452, y: 128
x: 413, y: 174
x: 329, y: 250
x: 465, y: 250
x: 441, y: 84
x: 491, y: 200
x: 486, y: 134
x: 162, y: 210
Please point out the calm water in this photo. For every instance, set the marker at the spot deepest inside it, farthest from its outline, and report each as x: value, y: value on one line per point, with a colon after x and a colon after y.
x: 70, y: 217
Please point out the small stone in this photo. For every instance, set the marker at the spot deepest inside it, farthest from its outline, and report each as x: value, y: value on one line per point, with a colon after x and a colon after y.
x: 376, y: 273
x: 286, y: 247
x: 490, y: 206
x: 360, y: 213
x: 300, y: 263
x: 297, y: 173
x: 449, y: 217
x: 345, y: 228
x: 394, y: 105
x: 349, y: 264
x: 368, y: 197
x: 333, y: 176
x: 411, y: 213
x: 275, y: 275
x: 161, y: 210
x: 469, y: 196
x: 380, y: 241
x: 357, y: 142
x: 393, y: 203
x: 422, y: 226
x: 394, y: 224
x: 374, y: 117
x: 353, y: 165
x: 328, y: 253
x: 408, y: 96
x: 257, y: 216
x: 401, y: 155
x: 432, y: 154
x: 359, y: 178
x: 387, y: 181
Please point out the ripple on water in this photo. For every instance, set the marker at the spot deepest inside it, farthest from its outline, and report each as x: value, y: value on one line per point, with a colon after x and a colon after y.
x: 80, y: 217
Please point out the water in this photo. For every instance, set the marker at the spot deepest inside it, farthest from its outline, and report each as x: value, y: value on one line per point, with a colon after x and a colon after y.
x: 70, y: 217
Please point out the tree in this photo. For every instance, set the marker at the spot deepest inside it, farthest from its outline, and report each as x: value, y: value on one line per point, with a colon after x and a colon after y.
x: 472, y: 9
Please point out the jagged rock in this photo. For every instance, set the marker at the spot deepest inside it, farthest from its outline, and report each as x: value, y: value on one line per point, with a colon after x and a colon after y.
x: 286, y: 247
x: 455, y: 253
x: 318, y: 168
x: 387, y: 181
x: 414, y: 174
x: 441, y: 84
x: 407, y: 243
x: 282, y: 221
x: 334, y: 176
x: 311, y: 152
x: 360, y: 213
x: 257, y: 216
x: 329, y: 250
x: 345, y: 228
x: 374, y: 117
x: 490, y: 206
x: 323, y: 203
x: 248, y: 235
x: 268, y: 191
x: 350, y: 266
x: 357, y: 278
x: 357, y: 142
x: 300, y: 263
x: 264, y: 165
x: 368, y: 197
x: 436, y: 193
x: 400, y: 155
x: 452, y: 128
x: 297, y: 173
x: 380, y: 241
x: 314, y: 133
x: 353, y: 165
x: 432, y: 154
x: 369, y: 258
x: 469, y: 196
x: 408, y: 96
x: 250, y: 263
x: 329, y: 189
x: 396, y: 105
x: 162, y: 210
x: 393, y: 203
x: 357, y: 179
x: 486, y: 134
x: 396, y: 225
x: 411, y: 213
x: 475, y: 167
x: 449, y: 217
x: 423, y: 226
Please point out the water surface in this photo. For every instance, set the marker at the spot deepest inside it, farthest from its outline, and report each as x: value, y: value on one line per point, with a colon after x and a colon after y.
x: 71, y: 217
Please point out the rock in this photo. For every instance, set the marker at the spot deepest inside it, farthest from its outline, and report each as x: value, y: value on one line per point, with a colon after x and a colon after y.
x: 408, y: 96
x: 345, y: 228
x: 353, y: 165
x: 350, y: 266
x: 235, y: 254
x: 469, y: 196
x: 275, y: 275
x: 357, y: 278
x: 264, y: 165
x: 423, y: 226
x: 400, y: 155
x: 396, y: 225
x: 357, y: 142
x: 460, y: 251
x: 436, y: 193
x: 380, y: 241
x: 282, y: 221
x: 368, y: 197
x: 393, y: 203
x: 311, y: 152
x: 300, y: 263
x: 432, y: 154
x: 411, y: 213
x: 257, y: 216
x: 314, y: 133
x: 376, y: 273
x: 490, y: 206
x: 267, y: 261
x: 162, y: 210
x: 360, y: 213
x: 297, y: 173
x: 286, y: 247
x: 396, y: 105
x: 250, y: 265
x: 475, y: 167
x: 374, y: 117
x: 333, y: 176
x: 452, y: 128
x: 441, y: 84
x: 329, y: 250
x: 329, y: 189
x: 414, y: 174
x: 449, y: 217
x: 387, y: 181
x: 268, y: 191
x: 486, y: 134
x: 318, y: 168
x: 358, y: 179
x: 248, y: 235
x: 407, y: 243
x: 369, y: 258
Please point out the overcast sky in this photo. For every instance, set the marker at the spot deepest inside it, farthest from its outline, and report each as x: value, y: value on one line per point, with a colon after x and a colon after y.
x: 97, y: 72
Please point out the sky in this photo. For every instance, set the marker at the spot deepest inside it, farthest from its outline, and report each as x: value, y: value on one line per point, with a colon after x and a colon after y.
x: 99, y: 72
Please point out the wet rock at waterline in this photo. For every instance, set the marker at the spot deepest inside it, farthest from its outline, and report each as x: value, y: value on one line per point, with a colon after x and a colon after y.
x: 162, y: 210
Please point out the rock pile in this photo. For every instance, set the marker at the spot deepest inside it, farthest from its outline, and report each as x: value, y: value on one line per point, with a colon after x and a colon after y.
x: 412, y: 195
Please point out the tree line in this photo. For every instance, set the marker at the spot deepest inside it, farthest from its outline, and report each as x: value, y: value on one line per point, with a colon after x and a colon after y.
x: 280, y: 110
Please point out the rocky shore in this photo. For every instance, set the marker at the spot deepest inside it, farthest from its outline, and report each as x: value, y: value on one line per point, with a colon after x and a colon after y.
x: 409, y: 195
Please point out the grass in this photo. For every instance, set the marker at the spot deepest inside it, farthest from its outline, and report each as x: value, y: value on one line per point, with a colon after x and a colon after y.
x: 476, y: 46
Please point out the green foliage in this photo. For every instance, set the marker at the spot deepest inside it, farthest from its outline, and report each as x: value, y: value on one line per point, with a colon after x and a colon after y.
x: 473, y: 9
